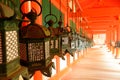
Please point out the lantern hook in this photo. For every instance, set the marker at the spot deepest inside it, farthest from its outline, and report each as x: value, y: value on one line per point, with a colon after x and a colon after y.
x: 32, y: 15
x: 50, y: 22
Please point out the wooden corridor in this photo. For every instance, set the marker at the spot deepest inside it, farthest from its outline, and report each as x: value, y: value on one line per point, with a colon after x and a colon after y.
x: 98, y: 64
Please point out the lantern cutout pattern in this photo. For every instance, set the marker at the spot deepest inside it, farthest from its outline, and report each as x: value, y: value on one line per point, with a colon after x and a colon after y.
x: 54, y: 35
x: 10, y: 67
x: 34, y: 44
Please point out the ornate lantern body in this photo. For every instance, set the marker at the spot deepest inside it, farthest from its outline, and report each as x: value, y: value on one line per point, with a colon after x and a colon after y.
x: 116, y: 44
x: 83, y: 42
x: 55, y: 42
x: 34, y: 45
x: 34, y: 48
x: 54, y: 34
x: 77, y: 41
x: 10, y: 68
x: 65, y: 42
x: 80, y: 43
x: 73, y: 42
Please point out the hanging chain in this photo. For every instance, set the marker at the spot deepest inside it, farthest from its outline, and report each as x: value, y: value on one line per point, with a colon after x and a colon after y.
x: 67, y: 12
x: 50, y: 6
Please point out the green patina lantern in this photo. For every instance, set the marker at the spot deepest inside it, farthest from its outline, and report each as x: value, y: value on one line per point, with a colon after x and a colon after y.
x: 65, y: 42
x: 10, y: 68
x: 83, y: 39
x: 116, y: 44
x: 65, y: 37
x: 55, y: 42
x: 73, y: 41
x: 54, y: 35
x: 34, y: 45
x: 77, y: 41
x: 80, y: 43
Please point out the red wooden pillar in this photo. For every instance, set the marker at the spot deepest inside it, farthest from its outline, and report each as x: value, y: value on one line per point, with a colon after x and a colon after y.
x: 57, y: 64
x: 38, y: 75
x: 113, y: 40
x: 108, y: 39
x: 68, y: 60
x: 118, y: 39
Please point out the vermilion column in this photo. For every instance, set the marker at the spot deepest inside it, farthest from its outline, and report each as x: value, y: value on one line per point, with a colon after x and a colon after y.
x: 108, y: 39
x: 113, y: 40
x: 57, y: 64
x: 118, y: 39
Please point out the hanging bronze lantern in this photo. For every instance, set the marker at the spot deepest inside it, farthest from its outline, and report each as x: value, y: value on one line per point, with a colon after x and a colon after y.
x: 72, y: 39
x: 117, y: 44
x: 80, y: 43
x: 65, y: 38
x: 10, y: 68
x: 54, y: 35
x: 77, y: 41
x: 72, y: 36
x: 34, y: 44
x: 65, y: 42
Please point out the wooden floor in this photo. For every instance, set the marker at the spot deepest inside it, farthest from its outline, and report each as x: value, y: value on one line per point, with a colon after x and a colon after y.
x: 98, y: 64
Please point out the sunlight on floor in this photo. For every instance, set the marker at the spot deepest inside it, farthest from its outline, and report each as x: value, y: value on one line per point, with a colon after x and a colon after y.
x: 98, y: 64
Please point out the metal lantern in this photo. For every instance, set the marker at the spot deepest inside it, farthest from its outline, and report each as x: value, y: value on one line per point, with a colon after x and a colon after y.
x: 80, y: 43
x: 54, y: 35
x: 34, y: 45
x: 73, y: 40
x: 54, y: 39
x: 83, y: 42
x: 55, y: 42
x: 77, y: 41
x: 65, y: 38
x: 10, y: 68
x: 65, y: 42
x: 117, y: 44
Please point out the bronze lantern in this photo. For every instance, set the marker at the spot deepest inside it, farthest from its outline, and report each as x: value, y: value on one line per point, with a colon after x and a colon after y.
x: 65, y: 42
x: 117, y: 44
x: 80, y: 43
x: 10, y: 68
x: 73, y: 42
x: 34, y: 44
x: 65, y: 37
x: 54, y: 35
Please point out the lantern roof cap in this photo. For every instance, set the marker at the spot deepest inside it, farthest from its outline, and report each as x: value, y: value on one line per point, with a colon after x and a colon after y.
x: 35, y: 31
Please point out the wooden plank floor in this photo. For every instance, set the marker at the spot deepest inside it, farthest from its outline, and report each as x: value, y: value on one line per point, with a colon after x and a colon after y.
x: 98, y: 64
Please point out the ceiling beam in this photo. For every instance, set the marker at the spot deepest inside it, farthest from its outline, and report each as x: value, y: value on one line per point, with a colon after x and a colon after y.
x: 98, y: 12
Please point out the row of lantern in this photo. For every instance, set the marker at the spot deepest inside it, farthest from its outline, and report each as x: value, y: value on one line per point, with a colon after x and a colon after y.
x: 37, y: 44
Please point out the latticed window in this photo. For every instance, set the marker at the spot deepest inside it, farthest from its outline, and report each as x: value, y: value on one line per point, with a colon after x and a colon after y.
x: 65, y: 40
x: 11, y: 45
x: 47, y: 49
x: 51, y: 43
x: 56, y: 43
x: 35, y: 51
